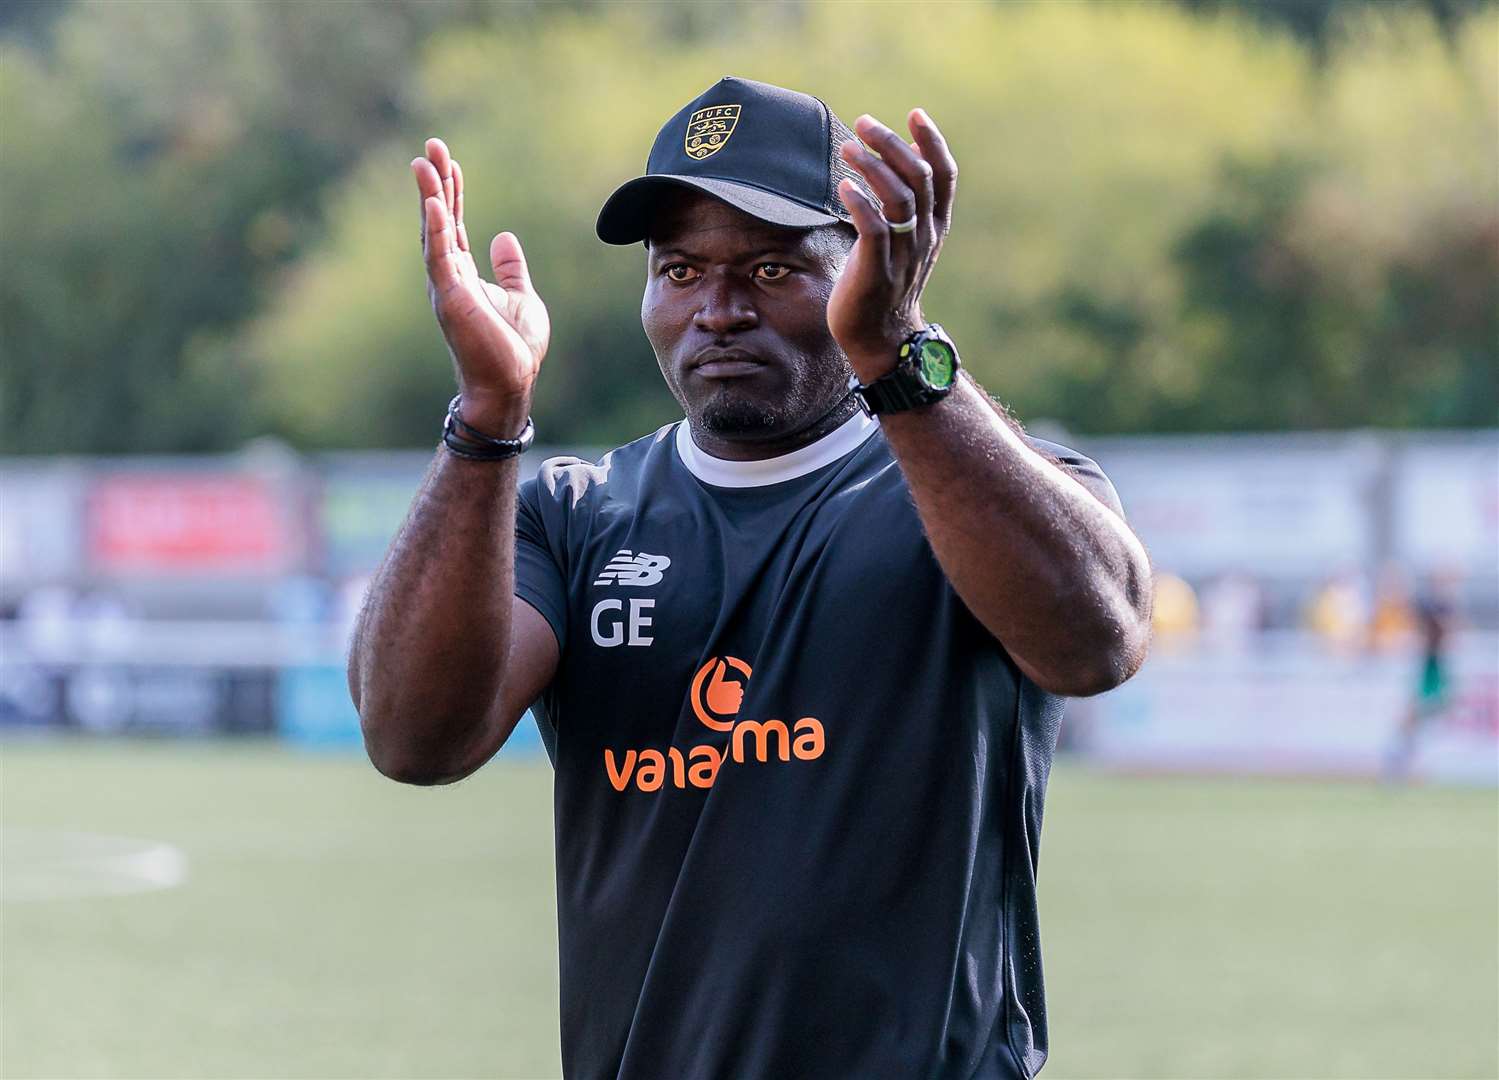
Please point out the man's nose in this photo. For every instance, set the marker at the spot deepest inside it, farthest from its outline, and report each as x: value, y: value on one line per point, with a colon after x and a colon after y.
x: 725, y: 309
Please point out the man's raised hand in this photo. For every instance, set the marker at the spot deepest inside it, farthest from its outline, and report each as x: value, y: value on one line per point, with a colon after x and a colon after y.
x: 497, y: 333
x: 877, y: 301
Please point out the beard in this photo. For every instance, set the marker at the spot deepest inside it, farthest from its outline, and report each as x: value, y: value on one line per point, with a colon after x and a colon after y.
x: 729, y: 413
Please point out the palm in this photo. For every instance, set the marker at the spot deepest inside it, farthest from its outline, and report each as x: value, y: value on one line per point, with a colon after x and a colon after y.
x: 494, y: 332
x: 497, y: 331
x: 846, y: 314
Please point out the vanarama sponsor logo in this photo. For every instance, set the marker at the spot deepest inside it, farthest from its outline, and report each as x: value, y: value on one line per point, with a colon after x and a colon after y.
x: 716, y: 695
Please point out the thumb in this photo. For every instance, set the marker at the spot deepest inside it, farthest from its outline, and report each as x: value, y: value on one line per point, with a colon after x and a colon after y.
x: 509, y: 262
x: 716, y: 679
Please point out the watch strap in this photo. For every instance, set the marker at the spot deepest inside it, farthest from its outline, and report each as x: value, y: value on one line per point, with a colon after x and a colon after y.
x: 902, y: 387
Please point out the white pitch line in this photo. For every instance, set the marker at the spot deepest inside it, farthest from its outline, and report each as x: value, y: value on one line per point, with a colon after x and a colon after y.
x: 53, y: 864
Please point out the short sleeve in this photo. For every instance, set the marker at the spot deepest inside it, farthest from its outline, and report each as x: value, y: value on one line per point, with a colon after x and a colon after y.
x: 539, y: 580
x: 1082, y: 469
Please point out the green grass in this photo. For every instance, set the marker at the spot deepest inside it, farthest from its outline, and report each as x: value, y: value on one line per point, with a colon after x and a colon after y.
x: 334, y: 924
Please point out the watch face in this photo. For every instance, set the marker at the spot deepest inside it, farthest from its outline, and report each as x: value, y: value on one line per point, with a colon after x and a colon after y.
x: 937, y: 367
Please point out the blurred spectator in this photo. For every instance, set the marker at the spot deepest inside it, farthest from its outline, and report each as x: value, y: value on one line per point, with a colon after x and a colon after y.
x: 1175, y: 615
x: 1233, y: 612
x: 1393, y: 627
x: 45, y: 619
x: 1339, y: 611
x: 56, y: 622
x: 104, y: 621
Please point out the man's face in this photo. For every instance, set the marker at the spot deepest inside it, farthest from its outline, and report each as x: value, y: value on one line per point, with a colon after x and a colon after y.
x: 736, y: 310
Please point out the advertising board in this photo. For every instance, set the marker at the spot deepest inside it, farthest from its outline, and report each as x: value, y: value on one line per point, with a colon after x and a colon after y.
x: 1294, y: 708
x: 197, y: 523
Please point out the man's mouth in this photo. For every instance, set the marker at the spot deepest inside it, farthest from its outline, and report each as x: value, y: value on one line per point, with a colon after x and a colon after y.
x: 725, y: 363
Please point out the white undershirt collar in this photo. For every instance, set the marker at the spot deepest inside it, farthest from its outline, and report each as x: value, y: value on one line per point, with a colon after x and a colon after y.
x: 844, y: 439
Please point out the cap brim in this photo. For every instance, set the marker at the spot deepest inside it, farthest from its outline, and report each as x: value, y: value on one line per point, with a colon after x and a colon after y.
x: 626, y: 216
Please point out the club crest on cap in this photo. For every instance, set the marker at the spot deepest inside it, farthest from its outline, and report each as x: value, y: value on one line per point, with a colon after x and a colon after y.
x: 708, y: 130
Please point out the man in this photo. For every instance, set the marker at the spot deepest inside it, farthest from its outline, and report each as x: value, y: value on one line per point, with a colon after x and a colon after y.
x: 1435, y: 618
x: 798, y: 667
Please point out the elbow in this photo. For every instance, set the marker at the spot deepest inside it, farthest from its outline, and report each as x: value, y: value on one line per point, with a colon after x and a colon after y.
x: 405, y: 761
x: 1114, y: 673
x: 389, y: 744
x: 1123, y: 640
x: 1097, y: 661
x: 407, y: 770
x: 1120, y: 654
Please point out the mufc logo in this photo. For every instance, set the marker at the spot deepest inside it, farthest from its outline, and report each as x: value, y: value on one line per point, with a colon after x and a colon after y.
x: 709, y: 129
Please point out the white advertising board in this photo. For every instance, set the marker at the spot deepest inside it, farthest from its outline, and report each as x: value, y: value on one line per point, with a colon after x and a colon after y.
x: 1296, y: 709
x: 1447, y: 508
x: 1273, y: 509
x: 40, y: 525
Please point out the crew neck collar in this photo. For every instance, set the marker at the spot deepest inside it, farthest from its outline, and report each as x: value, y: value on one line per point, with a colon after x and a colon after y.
x: 720, y: 472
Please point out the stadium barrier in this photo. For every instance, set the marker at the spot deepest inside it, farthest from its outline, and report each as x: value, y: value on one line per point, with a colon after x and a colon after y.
x: 191, y: 595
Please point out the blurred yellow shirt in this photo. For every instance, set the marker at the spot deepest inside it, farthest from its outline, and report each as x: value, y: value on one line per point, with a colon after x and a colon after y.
x: 1175, y: 616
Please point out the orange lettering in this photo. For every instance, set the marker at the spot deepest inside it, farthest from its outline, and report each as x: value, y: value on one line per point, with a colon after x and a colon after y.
x: 762, y: 733
x: 810, y: 742
x: 619, y: 777
x: 705, y: 768
x: 675, y: 756
x: 652, y: 770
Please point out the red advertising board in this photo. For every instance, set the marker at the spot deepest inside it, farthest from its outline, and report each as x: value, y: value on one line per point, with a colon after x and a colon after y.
x: 186, y: 523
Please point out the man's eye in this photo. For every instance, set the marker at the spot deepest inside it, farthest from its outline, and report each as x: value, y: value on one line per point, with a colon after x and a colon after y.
x: 771, y: 271
x: 679, y: 272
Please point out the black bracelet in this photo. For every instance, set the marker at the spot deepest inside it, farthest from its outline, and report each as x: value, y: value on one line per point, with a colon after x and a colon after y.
x: 469, y: 442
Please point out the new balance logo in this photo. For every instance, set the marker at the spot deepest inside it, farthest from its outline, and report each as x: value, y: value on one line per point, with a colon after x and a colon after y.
x: 627, y: 568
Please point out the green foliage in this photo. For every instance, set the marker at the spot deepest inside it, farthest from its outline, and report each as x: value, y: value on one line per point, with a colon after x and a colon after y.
x: 1164, y: 223
x: 162, y: 162
x: 1319, y: 21
x: 1166, y: 220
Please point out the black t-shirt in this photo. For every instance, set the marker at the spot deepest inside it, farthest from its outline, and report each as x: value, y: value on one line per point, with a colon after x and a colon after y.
x: 798, y: 786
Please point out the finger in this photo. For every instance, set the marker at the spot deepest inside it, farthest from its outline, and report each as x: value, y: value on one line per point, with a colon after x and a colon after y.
x: 933, y: 147
x: 442, y: 267
x: 897, y: 200
x: 427, y: 184
x: 874, y: 230
x: 509, y: 262
x: 458, y: 206
x: 442, y: 161
x: 911, y: 167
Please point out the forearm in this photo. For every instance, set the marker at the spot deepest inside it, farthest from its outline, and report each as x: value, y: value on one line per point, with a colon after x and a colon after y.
x: 425, y: 669
x: 1057, y: 577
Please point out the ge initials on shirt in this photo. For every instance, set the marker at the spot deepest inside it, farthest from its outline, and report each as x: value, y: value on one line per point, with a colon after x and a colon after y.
x: 612, y: 623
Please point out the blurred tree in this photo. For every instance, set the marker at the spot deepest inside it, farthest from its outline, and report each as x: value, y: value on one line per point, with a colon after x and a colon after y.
x: 1317, y: 21
x: 1165, y: 221
x: 162, y: 162
x: 30, y: 21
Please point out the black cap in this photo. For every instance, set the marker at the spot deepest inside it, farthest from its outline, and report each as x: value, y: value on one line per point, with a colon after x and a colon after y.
x: 770, y: 152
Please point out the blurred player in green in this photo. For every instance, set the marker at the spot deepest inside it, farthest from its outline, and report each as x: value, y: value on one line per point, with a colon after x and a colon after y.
x: 1434, y: 616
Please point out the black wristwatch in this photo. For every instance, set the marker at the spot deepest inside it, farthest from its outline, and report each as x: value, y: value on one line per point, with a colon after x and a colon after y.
x: 926, y: 372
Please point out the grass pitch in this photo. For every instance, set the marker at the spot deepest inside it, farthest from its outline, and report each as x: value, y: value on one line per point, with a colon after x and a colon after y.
x: 333, y: 924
